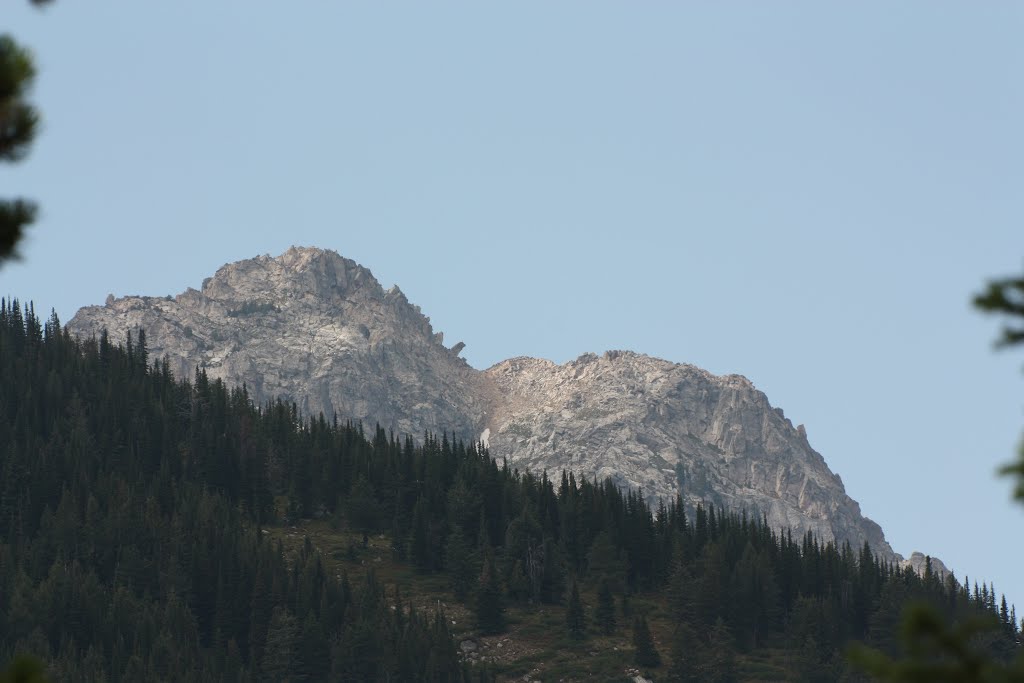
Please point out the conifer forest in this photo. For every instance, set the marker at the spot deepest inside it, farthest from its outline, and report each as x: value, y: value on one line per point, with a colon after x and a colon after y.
x: 161, y: 528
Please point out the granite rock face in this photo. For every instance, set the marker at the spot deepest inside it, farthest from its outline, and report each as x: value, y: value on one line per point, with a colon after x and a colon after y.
x: 672, y: 429
x: 312, y: 327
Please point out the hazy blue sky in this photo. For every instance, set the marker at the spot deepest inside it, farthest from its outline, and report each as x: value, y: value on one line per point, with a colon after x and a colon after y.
x: 802, y: 193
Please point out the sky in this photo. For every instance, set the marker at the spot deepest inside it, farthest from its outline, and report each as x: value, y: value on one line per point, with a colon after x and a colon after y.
x: 803, y: 193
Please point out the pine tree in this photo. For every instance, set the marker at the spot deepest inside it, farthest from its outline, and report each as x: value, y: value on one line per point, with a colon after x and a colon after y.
x: 142, y: 351
x: 685, y: 655
x: 419, y: 544
x: 399, y: 533
x: 362, y: 509
x: 645, y: 654
x: 19, y: 122
x: 605, y: 561
x: 720, y: 665
x: 519, y: 587
x: 313, y: 650
x: 459, y: 563
x: 575, y: 619
x: 490, y: 608
x: 604, y: 614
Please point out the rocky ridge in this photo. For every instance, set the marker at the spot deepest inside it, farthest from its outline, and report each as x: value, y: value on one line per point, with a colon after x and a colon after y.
x: 312, y: 327
x: 672, y: 428
x: 308, y: 327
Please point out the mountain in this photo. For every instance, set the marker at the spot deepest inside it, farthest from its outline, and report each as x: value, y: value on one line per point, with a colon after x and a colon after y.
x: 309, y: 327
x: 314, y: 328
x: 672, y: 428
x: 160, y: 529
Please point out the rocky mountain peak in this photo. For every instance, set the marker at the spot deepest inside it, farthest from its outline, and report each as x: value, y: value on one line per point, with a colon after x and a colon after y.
x: 318, y: 329
x: 298, y: 273
x: 671, y: 429
x: 307, y: 326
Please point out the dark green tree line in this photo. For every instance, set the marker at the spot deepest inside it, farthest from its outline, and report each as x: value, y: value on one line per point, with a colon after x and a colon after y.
x: 132, y: 504
x: 131, y: 509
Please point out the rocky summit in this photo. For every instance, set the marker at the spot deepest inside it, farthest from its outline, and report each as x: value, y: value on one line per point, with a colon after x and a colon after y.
x: 314, y: 328
x: 308, y: 327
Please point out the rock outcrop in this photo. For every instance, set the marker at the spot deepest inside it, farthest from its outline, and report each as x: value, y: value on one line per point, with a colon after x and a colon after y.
x: 671, y: 428
x: 919, y: 563
x: 308, y: 327
x: 312, y: 327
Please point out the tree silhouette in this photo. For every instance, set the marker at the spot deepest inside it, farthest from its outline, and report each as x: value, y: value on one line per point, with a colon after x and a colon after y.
x: 936, y: 650
x: 1005, y: 296
x: 19, y: 123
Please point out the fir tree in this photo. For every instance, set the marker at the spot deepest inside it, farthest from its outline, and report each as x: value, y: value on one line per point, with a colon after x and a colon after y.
x: 459, y: 563
x: 490, y: 608
x: 19, y: 122
x: 604, y: 560
x: 279, y: 657
x: 419, y: 544
x: 645, y: 654
x: 575, y: 619
x: 313, y: 650
x: 1004, y: 297
x: 685, y: 655
x: 362, y: 509
x: 720, y: 660
x: 604, y: 614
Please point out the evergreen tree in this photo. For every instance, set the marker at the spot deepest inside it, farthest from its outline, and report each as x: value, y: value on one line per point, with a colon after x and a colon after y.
x: 313, y: 650
x: 362, y: 509
x: 399, y: 533
x: 605, y: 561
x: 575, y: 619
x: 685, y: 656
x: 720, y: 660
x: 519, y: 586
x: 604, y: 614
x: 279, y: 657
x: 19, y: 122
x: 490, y: 608
x: 459, y: 563
x: 645, y: 654
x: 1004, y: 296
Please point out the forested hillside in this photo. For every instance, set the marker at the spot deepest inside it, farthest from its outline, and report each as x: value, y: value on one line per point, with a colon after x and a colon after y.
x: 139, y: 520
